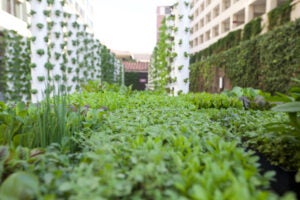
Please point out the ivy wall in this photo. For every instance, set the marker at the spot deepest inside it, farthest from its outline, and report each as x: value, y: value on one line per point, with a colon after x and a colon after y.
x: 248, y: 59
x: 267, y: 62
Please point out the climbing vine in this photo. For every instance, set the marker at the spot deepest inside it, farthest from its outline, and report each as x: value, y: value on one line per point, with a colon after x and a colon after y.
x: 162, y: 57
x: 279, y: 15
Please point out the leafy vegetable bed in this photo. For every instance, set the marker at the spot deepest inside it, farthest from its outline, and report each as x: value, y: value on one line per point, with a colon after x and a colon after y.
x: 144, y: 146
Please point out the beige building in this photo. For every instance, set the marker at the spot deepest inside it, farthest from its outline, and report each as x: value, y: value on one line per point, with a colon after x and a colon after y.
x: 214, y: 19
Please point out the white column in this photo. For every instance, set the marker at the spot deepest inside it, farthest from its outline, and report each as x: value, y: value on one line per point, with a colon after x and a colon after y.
x: 72, y: 48
x: 181, y: 62
x: 39, y: 49
x: 270, y: 5
x: 57, y: 40
x: 249, y: 13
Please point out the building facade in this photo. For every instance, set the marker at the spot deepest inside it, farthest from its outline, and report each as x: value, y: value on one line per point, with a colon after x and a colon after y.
x: 214, y: 19
x: 161, y: 13
x: 14, y: 16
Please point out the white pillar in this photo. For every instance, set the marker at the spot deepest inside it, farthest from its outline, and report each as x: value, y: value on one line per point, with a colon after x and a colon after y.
x: 270, y: 5
x: 249, y: 13
x: 181, y: 63
x: 72, y: 48
x: 39, y: 49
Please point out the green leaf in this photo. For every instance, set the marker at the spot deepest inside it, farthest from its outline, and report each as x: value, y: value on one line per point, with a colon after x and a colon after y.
x: 20, y: 185
x: 288, y: 107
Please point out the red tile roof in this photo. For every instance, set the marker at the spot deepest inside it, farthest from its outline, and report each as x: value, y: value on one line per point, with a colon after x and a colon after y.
x: 136, y: 66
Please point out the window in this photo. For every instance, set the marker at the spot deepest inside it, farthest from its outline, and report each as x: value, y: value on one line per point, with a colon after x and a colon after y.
x: 216, y: 11
x: 201, y: 7
x: 201, y: 23
x: 207, y: 35
x: 208, y: 18
x: 225, y: 4
x: 201, y: 39
x: 208, y: 2
x: 225, y: 25
x: 216, y: 31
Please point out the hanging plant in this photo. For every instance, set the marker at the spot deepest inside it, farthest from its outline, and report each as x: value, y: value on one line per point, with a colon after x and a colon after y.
x: 57, y: 77
x: 70, y: 69
x: 186, y: 3
x: 180, y: 67
x: 50, y: 25
x: 40, y: 52
x: 186, y: 29
x: 186, y: 55
x: 63, y: 2
x: 64, y: 78
x: 33, y: 91
x: 40, y: 26
x: 49, y: 66
x: 41, y: 78
x: 63, y: 24
x: 32, y: 12
x: 63, y: 68
x: 57, y: 34
x: 180, y: 42
x: 46, y: 39
x: 186, y: 80
x: 57, y: 55
x: 32, y: 65
x: 51, y: 45
x: 50, y: 2
x: 57, y: 13
x: 47, y: 13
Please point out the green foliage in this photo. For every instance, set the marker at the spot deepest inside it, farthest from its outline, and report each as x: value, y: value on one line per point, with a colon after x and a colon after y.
x: 252, y: 28
x: 279, y: 15
x: 132, y: 78
x: 206, y: 100
x: 20, y: 185
x: 267, y: 62
x: 232, y: 39
x: 144, y: 145
x: 291, y: 106
x: 251, y: 98
x: 161, y: 59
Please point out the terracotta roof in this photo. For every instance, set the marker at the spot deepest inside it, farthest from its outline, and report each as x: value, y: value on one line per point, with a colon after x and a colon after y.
x: 136, y: 66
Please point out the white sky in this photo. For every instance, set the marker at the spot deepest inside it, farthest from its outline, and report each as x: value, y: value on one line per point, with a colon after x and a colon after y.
x: 127, y: 25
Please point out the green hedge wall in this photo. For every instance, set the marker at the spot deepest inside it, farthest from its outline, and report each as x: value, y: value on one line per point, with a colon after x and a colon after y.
x: 267, y: 62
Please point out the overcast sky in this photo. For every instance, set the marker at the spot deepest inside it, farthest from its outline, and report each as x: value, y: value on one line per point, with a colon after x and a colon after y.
x: 127, y: 25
